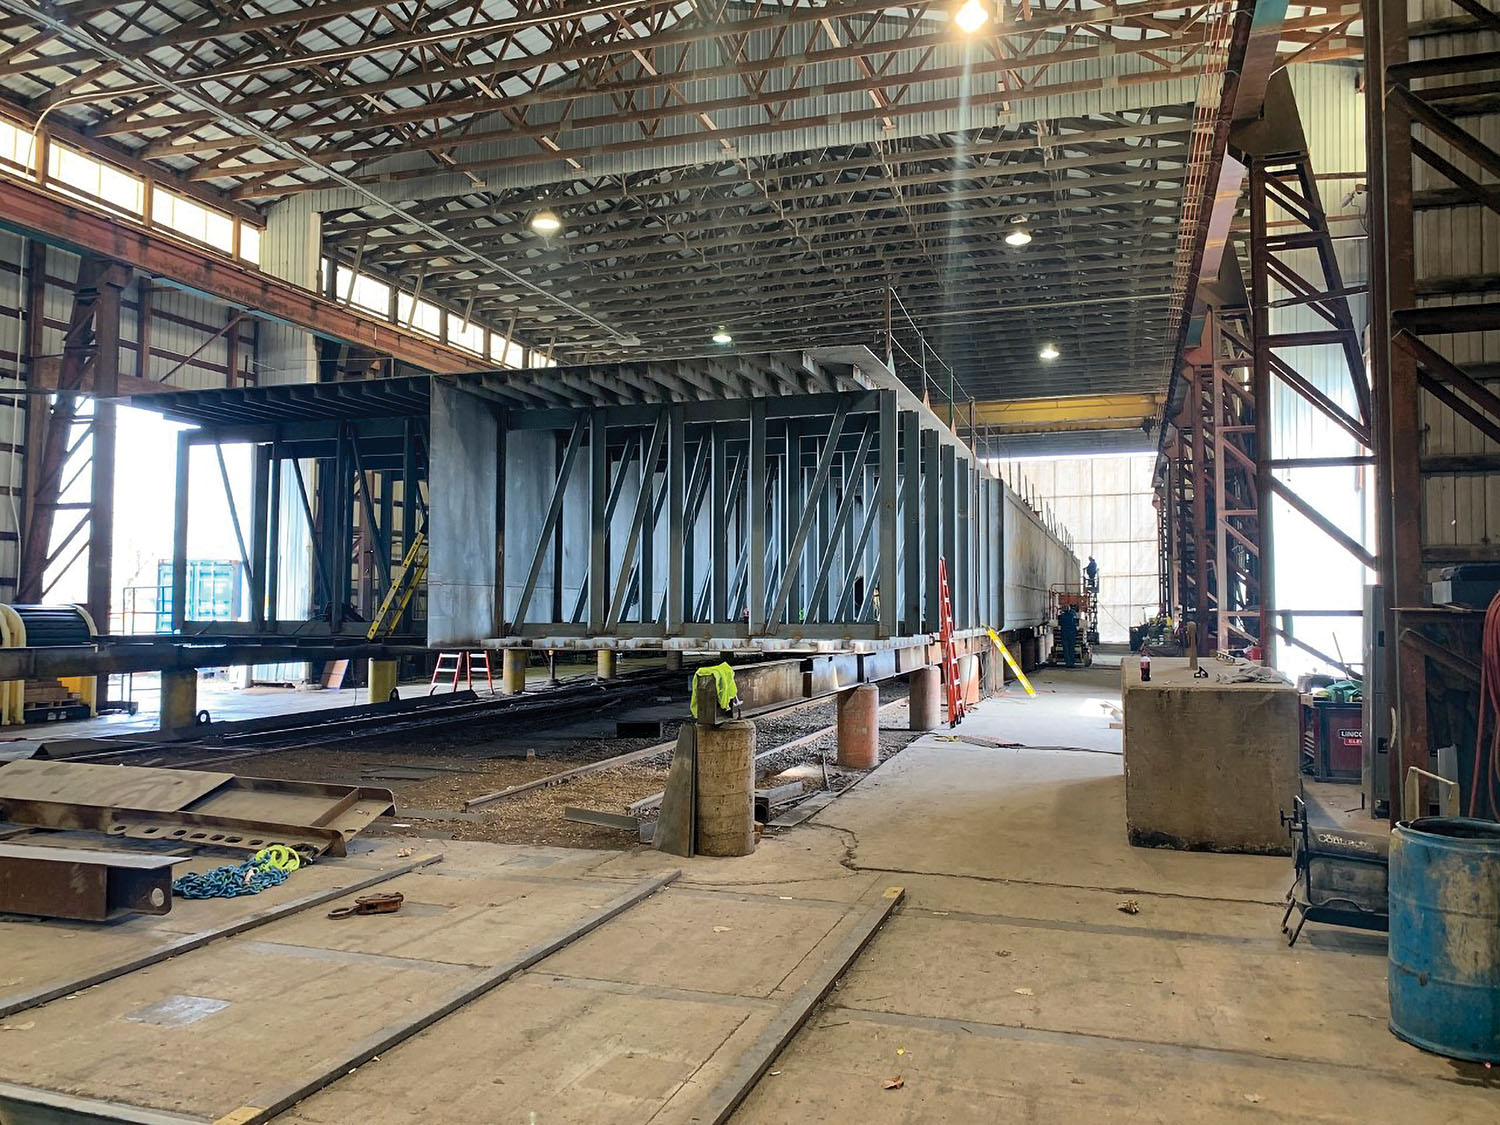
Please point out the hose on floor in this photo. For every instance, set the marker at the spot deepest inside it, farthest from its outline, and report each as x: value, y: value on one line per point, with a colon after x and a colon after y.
x: 1487, y: 757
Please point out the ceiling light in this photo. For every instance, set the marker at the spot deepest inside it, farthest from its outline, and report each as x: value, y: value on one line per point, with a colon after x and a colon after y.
x: 971, y: 17
x: 1018, y: 236
x: 1049, y: 352
x: 546, y: 221
x: 722, y: 336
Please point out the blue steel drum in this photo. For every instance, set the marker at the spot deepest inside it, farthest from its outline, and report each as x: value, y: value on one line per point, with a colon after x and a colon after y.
x: 1444, y: 963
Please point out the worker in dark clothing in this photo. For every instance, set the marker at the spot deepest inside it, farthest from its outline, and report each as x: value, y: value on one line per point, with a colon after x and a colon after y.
x: 1091, y: 576
x: 1067, y: 621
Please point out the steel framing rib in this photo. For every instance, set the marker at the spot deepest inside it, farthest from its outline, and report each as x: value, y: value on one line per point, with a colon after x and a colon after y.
x: 778, y: 516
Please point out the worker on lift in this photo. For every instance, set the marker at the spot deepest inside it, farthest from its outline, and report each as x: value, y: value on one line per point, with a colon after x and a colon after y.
x: 1091, y: 576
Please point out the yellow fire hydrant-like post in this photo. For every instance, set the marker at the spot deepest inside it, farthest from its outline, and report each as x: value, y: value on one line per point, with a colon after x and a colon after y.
x: 382, y: 679
x: 513, y: 671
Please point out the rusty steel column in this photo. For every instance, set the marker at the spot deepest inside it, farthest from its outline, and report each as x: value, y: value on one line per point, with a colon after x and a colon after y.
x: 1260, y: 331
x: 96, y: 314
x: 106, y: 385
x: 1201, y: 484
x: 1218, y: 636
x: 1397, y: 397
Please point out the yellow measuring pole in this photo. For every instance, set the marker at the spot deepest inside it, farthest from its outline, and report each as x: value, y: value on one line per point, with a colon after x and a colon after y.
x: 1011, y: 660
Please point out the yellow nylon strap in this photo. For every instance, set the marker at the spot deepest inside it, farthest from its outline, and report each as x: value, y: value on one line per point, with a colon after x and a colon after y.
x: 1011, y: 660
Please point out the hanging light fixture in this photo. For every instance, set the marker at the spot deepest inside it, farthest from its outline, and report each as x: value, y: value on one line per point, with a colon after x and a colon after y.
x: 971, y: 17
x: 1049, y: 352
x: 722, y: 336
x: 1018, y: 235
x: 546, y: 221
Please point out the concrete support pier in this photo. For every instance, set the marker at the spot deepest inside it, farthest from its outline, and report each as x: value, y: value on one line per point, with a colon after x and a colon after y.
x: 1209, y: 766
x: 726, y: 789
x: 606, y: 658
x: 179, y: 700
x: 381, y: 676
x: 513, y: 671
x: 924, y: 704
x: 674, y: 660
x: 859, y: 727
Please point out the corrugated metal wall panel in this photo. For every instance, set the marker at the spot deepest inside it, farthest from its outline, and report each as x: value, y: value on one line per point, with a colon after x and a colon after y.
x: 185, y: 352
x: 1457, y: 259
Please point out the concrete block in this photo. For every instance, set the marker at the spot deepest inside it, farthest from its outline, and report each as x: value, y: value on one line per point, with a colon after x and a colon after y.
x: 1208, y: 766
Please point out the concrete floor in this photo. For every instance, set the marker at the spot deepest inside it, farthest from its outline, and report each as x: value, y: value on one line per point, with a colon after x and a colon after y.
x: 1008, y: 986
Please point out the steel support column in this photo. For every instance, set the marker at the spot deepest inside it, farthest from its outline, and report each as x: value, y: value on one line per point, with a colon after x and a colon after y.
x: 1293, y: 266
x: 1435, y: 418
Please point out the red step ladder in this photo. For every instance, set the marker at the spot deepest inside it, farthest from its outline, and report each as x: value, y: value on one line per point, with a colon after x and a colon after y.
x: 461, y: 665
x: 956, y: 706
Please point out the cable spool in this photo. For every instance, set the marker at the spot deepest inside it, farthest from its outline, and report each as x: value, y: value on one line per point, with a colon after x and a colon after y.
x: 46, y: 626
x: 53, y: 626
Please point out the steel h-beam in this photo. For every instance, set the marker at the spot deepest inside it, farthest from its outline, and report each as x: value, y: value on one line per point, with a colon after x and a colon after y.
x: 1423, y: 140
x: 91, y: 358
